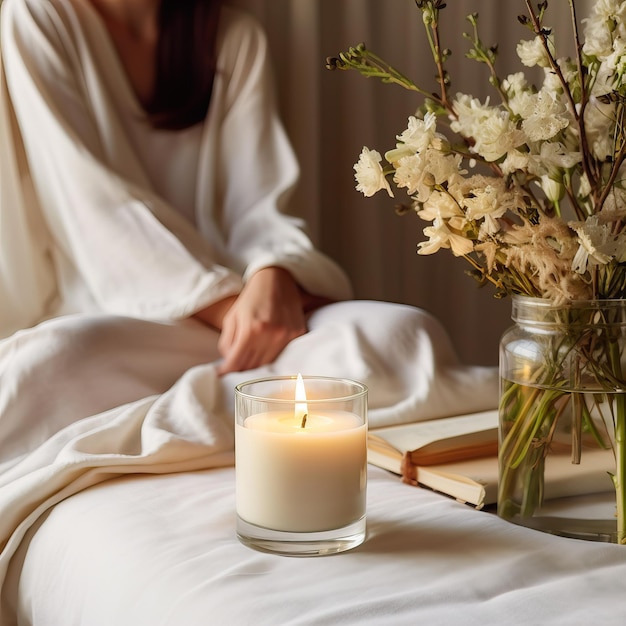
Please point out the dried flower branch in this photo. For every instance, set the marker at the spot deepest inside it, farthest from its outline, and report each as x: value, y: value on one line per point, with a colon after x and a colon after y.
x: 553, y: 199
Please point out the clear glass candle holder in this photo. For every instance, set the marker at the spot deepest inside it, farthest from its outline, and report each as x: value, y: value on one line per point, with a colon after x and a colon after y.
x: 301, y: 464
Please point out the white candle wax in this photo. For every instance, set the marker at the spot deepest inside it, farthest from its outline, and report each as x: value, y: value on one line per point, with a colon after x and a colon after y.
x: 301, y: 479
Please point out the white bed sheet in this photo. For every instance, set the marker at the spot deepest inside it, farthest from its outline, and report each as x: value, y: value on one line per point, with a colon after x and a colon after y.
x: 150, y: 550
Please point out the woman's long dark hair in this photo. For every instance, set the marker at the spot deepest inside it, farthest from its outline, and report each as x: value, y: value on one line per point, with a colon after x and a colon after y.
x: 186, y: 60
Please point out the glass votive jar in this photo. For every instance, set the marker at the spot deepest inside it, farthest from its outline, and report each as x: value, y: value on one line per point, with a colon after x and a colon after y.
x: 301, y: 464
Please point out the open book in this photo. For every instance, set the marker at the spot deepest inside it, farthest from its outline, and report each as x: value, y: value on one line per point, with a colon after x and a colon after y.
x: 458, y: 456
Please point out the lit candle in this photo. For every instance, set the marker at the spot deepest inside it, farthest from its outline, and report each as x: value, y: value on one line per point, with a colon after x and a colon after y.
x: 301, y: 465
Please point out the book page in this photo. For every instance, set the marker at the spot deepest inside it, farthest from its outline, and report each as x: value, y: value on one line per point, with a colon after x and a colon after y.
x: 448, y: 433
x: 474, y: 481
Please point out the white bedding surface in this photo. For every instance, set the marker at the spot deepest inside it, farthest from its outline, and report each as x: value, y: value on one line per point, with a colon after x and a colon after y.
x: 162, y: 550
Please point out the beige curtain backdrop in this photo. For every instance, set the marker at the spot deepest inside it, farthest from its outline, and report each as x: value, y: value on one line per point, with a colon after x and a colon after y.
x: 331, y: 115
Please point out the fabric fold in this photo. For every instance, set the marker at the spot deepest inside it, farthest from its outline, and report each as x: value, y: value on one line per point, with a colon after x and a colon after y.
x: 159, y: 434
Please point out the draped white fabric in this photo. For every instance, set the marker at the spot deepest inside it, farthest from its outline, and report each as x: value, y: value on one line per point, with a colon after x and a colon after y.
x: 330, y: 116
x: 83, y: 401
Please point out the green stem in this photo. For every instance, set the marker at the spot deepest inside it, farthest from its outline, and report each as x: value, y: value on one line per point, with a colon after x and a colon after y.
x: 619, y: 479
x: 532, y: 418
x: 590, y: 426
x: 524, y: 447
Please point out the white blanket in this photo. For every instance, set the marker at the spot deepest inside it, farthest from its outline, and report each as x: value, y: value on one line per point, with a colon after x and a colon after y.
x: 58, y: 448
x: 162, y: 551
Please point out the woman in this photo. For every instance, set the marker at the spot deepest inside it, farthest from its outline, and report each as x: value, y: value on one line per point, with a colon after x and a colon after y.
x: 142, y: 188
x: 144, y: 178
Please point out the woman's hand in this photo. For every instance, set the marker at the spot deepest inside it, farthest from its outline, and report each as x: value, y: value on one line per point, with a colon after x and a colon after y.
x: 258, y: 324
x: 266, y: 316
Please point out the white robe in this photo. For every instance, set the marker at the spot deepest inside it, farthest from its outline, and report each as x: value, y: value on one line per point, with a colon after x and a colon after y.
x: 103, y: 213
x: 111, y: 235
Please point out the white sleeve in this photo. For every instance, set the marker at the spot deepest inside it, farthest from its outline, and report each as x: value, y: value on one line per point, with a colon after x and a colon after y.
x: 132, y: 252
x: 259, y: 171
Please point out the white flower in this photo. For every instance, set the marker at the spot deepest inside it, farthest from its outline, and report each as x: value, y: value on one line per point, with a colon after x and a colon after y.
x: 604, y: 10
x: 533, y: 53
x: 606, y: 15
x: 444, y: 167
x: 412, y: 173
x: 485, y: 204
x: 369, y: 173
x: 471, y: 113
x: 515, y: 161
x: 598, y: 41
x: 520, y: 103
x: 598, y: 244
x: 441, y: 205
x: 553, y: 189
x: 515, y: 84
x: 419, y: 133
x: 544, y: 116
x: 553, y: 157
x: 498, y: 136
x: 419, y: 173
x: 440, y: 236
x: 493, y: 131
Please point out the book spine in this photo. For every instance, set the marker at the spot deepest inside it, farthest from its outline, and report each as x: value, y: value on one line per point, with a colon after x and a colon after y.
x: 408, y: 470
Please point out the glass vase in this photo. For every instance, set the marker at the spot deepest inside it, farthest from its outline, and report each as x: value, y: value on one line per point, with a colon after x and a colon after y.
x: 562, y: 440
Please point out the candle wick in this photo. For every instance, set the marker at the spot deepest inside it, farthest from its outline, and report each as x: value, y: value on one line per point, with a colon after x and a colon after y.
x: 303, y: 420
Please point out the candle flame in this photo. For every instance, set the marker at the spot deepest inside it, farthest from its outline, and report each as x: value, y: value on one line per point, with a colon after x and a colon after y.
x: 301, y: 408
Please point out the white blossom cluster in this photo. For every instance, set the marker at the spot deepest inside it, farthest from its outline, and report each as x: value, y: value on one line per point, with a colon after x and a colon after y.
x: 544, y: 213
